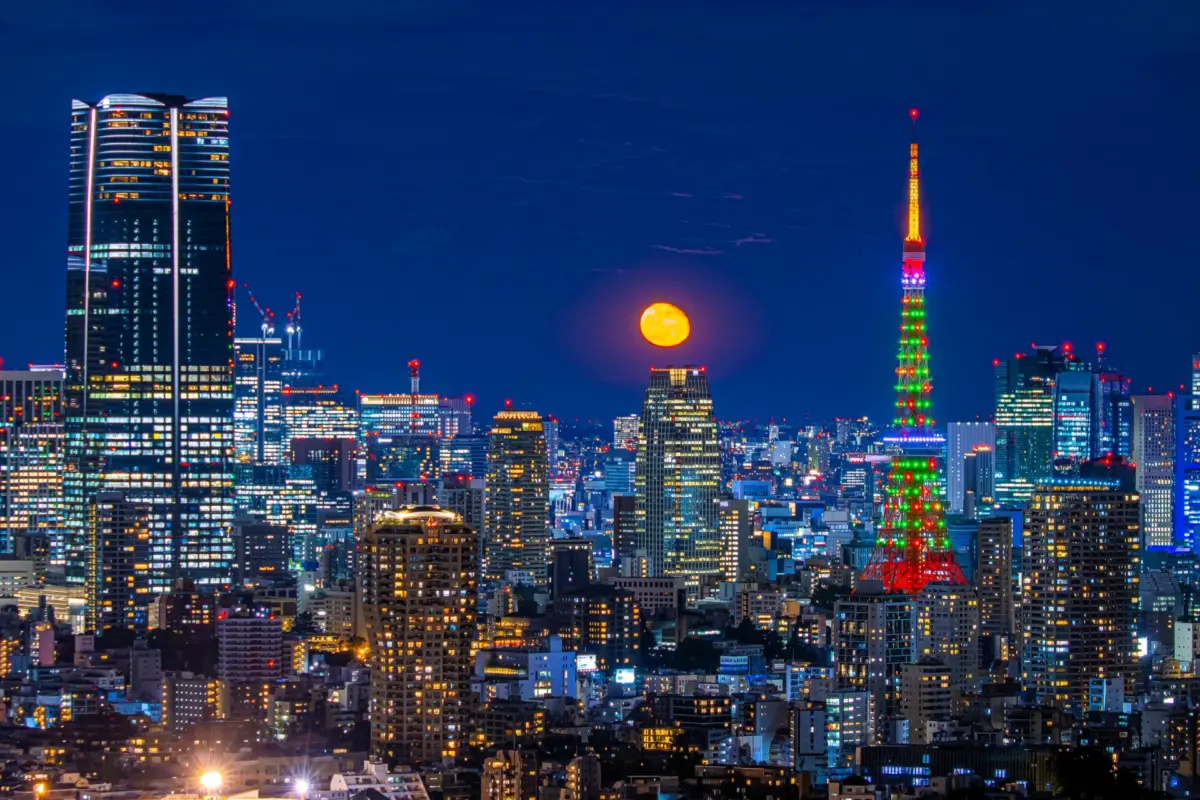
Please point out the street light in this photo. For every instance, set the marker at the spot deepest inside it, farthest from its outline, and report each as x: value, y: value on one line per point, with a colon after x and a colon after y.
x: 211, y: 781
x: 39, y: 790
x: 302, y: 787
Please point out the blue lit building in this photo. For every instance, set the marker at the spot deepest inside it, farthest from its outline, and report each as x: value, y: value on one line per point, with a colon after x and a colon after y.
x: 1076, y: 417
x: 1187, y: 472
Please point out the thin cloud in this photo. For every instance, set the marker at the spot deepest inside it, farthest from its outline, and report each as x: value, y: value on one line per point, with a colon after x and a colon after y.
x: 689, y: 251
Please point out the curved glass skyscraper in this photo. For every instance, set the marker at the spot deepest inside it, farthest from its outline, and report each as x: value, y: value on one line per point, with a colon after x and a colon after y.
x: 149, y: 330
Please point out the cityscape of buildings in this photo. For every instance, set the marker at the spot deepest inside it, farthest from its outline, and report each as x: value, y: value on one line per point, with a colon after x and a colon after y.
x: 214, y: 562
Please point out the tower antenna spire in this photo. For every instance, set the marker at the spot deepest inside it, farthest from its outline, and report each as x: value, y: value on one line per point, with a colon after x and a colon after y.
x: 913, y: 548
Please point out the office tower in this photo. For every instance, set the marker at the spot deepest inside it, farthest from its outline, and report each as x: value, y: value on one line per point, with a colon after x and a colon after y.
x: 419, y: 596
x: 517, y: 507
x: 994, y: 577
x: 149, y: 380
x: 947, y: 628
x: 1116, y: 414
x: 1080, y: 585
x: 261, y: 552
x: 330, y: 462
x: 1153, y: 448
x: 1024, y: 389
x: 550, y: 432
x: 317, y: 412
x: 678, y: 474
x: 463, y: 495
x: 826, y: 733
x: 625, y: 432
x: 873, y: 635
x: 624, y: 538
x: 736, y: 522
x: 414, y: 412
x: 961, y: 440
x: 258, y: 400
x: 1186, y: 481
x: 31, y: 460
x: 979, y: 481
x: 118, y: 581
x: 1076, y: 418
x: 403, y: 457
x: 912, y: 548
x: 620, y: 472
x: 925, y: 696
x: 602, y: 621
x: 465, y: 454
x: 570, y: 565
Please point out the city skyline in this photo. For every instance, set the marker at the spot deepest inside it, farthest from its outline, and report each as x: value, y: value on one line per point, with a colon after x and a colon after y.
x: 624, y: 219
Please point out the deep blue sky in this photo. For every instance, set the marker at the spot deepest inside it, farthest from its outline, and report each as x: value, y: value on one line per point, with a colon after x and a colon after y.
x: 497, y: 188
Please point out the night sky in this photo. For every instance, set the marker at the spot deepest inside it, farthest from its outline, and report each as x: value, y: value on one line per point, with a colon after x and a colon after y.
x: 498, y: 188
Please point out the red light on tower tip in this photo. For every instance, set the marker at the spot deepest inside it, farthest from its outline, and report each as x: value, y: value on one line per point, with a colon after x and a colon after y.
x: 912, y: 112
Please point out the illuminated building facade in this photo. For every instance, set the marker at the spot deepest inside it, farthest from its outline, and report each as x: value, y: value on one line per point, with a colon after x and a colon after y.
x: 625, y: 432
x: 465, y: 454
x: 419, y: 596
x: 148, y: 399
x: 913, y: 548
x: 1116, y: 415
x: 601, y: 621
x: 403, y: 457
x: 1186, y: 481
x: 736, y: 521
x: 873, y: 636
x: 1076, y: 418
x: 119, y: 580
x: 317, y: 413
x: 1081, y: 566
x: 517, y: 507
x: 31, y: 459
x: 961, y: 439
x: 677, y: 478
x: 1024, y: 388
x: 1154, y: 458
x: 947, y: 628
x: 258, y: 401
x: 994, y: 577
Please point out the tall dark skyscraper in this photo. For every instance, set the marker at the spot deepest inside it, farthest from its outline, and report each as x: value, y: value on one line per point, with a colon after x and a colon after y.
x: 677, y: 477
x: 149, y: 329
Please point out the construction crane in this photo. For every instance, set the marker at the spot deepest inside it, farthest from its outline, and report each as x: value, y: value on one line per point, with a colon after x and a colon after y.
x: 267, y: 325
x: 294, y: 327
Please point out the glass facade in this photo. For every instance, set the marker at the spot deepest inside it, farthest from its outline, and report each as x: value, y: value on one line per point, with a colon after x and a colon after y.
x: 1076, y: 417
x: 1187, y: 472
x: 677, y: 478
x: 148, y: 400
x: 31, y: 454
x: 517, y: 506
x: 258, y: 401
x: 1154, y: 459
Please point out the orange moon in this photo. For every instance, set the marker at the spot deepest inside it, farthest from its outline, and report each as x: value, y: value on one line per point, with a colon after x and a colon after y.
x: 665, y: 325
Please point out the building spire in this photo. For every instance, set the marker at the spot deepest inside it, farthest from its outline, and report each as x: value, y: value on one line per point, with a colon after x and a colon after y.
x: 914, y: 193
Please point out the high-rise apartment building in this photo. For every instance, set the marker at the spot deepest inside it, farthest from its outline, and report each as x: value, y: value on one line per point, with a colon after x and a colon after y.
x: 517, y: 507
x: 873, y: 636
x: 961, y: 439
x: 1080, y: 577
x: 31, y: 459
x: 926, y: 695
x: 625, y: 432
x: 419, y: 596
x: 994, y: 577
x: 463, y: 495
x: 678, y: 474
x: 1154, y: 459
x: 736, y: 521
x: 118, y: 583
x: 258, y: 401
x: 947, y: 629
x: 149, y: 327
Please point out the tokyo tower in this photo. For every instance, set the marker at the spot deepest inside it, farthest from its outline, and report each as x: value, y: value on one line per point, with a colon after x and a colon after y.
x: 912, y: 549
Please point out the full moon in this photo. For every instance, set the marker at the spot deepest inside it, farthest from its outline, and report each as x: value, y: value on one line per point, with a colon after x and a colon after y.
x: 665, y: 325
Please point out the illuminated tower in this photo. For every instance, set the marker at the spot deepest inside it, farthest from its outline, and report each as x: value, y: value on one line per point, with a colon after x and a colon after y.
x: 148, y: 395
x: 913, y: 547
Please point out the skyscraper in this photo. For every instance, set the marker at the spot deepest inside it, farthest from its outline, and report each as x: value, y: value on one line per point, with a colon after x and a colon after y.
x: 677, y: 477
x: 1076, y: 417
x: 913, y: 547
x: 736, y: 521
x: 258, y: 401
x: 517, y: 506
x: 1080, y: 571
x: 994, y: 577
x: 961, y: 439
x: 31, y: 458
x: 419, y: 596
x: 625, y: 432
x: 873, y: 636
x: 1154, y: 458
x: 1024, y: 386
x: 149, y: 328
x: 119, y: 584
x: 1186, y: 481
